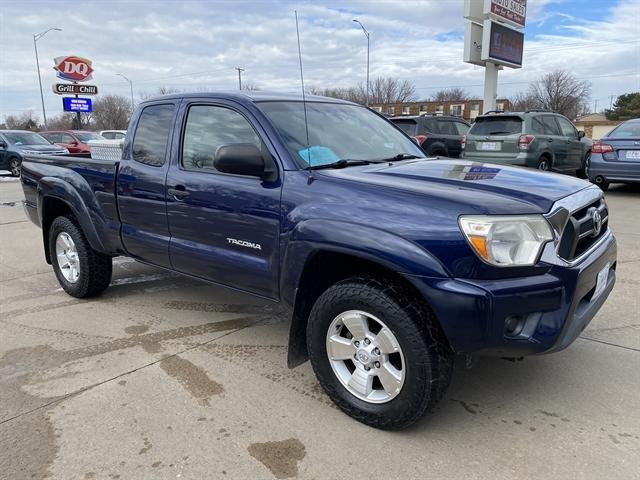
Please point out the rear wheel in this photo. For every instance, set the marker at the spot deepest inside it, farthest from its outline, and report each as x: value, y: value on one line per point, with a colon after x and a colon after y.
x: 584, y: 171
x: 377, y: 352
x: 544, y: 164
x: 81, y: 271
x: 14, y: 167
x: 601, y: 182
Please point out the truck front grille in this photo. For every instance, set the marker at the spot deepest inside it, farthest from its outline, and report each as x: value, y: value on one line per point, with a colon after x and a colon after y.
x: 583, y: 230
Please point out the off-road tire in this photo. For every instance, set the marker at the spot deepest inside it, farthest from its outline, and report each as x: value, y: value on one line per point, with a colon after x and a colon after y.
x: 428, y: 357
x: 95, y: 267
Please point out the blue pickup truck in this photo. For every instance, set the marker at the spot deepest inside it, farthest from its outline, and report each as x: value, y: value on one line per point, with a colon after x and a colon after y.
x: 391, y: 263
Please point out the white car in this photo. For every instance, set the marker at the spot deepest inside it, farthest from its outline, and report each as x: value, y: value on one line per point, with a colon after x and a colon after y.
x: 113, y: 134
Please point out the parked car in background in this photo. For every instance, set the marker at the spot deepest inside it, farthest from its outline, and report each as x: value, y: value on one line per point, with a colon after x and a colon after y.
x: 14, y: 144
x: 113, y: 134
x: 76, y: 141
x: 437, y: 135
x: 616, y: 157
x: 535, y: 139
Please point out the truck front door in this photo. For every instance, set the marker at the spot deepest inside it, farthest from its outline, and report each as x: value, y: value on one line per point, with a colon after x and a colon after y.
x: 224, y: 228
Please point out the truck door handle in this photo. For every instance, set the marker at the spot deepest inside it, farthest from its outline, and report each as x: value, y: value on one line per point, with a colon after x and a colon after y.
x: 179, y: 192
x: 549, y: 139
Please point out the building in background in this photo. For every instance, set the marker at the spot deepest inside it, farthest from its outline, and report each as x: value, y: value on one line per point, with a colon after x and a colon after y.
x: 596, y: 125
x: 466, y: 109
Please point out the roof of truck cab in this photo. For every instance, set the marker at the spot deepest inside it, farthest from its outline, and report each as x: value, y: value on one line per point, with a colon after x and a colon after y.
x: 251, y: 96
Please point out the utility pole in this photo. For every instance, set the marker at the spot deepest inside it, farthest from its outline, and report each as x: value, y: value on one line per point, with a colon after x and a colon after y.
x: 130, y: 87
x: 240, y: 70
x: 595, y: 106
x: 366, y: 33
x: 611, y: 97
x: 37, y: 37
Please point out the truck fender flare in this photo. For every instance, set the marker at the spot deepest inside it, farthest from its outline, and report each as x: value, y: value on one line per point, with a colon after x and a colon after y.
x: 86, y: 210
x: 377, y: 246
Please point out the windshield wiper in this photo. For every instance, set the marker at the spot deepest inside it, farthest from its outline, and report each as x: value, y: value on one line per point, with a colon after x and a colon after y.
x: 401, y: 156
x: 344, y: 162
x: 498, y: 132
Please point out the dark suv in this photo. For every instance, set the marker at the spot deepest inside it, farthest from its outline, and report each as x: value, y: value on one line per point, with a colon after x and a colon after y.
x: 536, y: 139
x: 437, y: 135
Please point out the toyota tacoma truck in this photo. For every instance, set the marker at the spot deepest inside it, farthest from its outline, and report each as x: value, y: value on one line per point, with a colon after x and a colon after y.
x: 390, y: 263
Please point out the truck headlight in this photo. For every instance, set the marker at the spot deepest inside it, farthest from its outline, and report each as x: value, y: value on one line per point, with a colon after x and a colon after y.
x: 507, y: 240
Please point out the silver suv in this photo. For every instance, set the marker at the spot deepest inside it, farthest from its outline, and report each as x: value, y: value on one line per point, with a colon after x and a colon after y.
x: 535, y: 139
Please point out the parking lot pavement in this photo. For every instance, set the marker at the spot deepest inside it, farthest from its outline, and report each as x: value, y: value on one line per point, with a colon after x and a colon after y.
x: 166, y: 377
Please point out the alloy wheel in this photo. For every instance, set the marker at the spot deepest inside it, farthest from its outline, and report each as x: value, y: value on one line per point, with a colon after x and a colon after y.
x: 67, y: 256
x: 365, y: 356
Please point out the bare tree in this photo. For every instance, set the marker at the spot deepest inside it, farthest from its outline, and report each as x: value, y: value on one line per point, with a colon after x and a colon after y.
x: 391, y: 90
x: 453, y: 94
x: 250, y: 86
x: 523, y: 101
x: 64, y: 121
x: 111, y: 112
x: 25, y: 121
x: 561, y: 92
x: 160, y: 91
x: 381, y: 90
x: 352, y: 94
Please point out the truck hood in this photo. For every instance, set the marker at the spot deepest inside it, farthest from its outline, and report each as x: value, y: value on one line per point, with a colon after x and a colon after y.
x: 486, y: 187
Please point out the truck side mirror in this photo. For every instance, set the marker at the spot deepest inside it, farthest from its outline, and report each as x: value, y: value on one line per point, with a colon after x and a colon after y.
x: 3, y: 144
x: 241, y: 159
x: 581, y: 134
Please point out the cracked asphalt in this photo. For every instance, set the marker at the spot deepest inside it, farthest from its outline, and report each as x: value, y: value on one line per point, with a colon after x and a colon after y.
x: 166, y: 377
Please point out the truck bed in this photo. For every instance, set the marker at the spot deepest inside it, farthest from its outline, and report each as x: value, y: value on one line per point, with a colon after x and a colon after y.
x: 91, y: 182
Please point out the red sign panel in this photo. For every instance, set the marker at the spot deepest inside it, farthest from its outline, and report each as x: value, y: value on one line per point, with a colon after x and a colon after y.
x: 72, y: 68
x: 514, y: 11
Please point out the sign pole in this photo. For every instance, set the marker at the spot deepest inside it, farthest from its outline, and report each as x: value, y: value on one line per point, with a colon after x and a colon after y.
x: 77, y: 114
x: 490, y: 86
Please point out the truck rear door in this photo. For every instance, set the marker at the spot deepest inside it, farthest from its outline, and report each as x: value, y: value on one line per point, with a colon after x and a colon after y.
x: 224, y: 228
x: 141, y: 184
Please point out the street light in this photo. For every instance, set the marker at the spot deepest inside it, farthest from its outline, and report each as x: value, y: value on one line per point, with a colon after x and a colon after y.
x: 131, y: 87
x: 37, y: 37
x: 366, y: 33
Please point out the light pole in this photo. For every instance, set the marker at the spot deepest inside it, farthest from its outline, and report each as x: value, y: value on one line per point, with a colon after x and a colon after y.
x: 366, y: 33
x: 37, y: 37
x: 240, y: 70
x: 131, y: 87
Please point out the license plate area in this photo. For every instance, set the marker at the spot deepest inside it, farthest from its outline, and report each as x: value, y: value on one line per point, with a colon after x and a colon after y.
x: 490, y: 146
x: 601, y: 281
x: 633, y: 155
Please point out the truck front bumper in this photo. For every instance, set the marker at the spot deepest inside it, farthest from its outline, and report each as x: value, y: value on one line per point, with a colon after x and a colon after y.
x: 522, y: 316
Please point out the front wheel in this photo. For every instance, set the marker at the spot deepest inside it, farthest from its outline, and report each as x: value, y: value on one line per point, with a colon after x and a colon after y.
x: 81, y: 271
x: 378, y: 352
x: 14, y: 167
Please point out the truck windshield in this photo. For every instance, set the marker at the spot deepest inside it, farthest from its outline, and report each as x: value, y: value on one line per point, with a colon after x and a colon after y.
x: 336, y: 132
x: 26, y: 138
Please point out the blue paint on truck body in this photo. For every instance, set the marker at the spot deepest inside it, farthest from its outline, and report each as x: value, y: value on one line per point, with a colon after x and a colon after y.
x: 401, y: 216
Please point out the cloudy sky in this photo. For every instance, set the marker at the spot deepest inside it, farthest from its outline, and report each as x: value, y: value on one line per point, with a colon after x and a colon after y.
x: 196, y: 45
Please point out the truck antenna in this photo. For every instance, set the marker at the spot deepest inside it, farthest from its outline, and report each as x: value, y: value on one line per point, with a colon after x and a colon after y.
x: 304, y: 100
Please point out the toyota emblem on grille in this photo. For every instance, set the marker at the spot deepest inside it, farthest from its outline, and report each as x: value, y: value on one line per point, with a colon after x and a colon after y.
x: 597, y: 222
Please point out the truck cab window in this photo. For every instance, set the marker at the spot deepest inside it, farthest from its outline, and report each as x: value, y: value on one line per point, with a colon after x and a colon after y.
x: 150, y: 140
x: 207, y: 128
